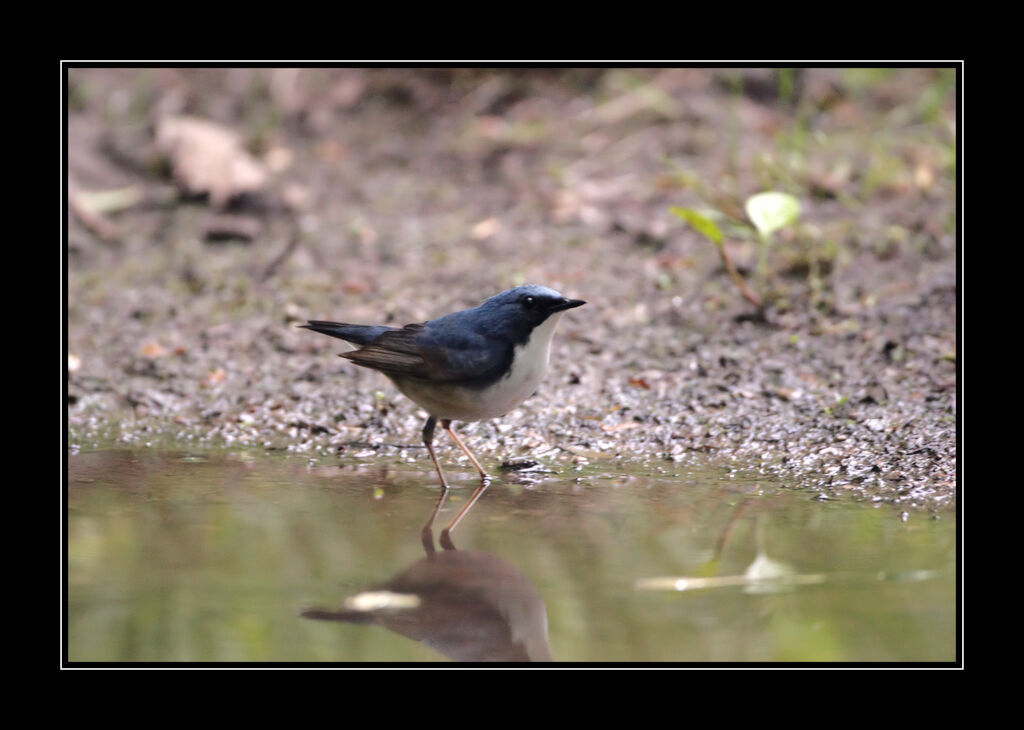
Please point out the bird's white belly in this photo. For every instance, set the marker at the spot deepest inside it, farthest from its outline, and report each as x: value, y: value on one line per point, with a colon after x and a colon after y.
x: 458, y: 403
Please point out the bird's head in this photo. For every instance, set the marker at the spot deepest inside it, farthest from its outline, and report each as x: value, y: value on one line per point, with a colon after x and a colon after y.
x: 525, y: 307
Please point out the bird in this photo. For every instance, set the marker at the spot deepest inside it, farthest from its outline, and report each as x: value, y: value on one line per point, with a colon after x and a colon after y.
x: 472, y: 365
x: 470, y: 606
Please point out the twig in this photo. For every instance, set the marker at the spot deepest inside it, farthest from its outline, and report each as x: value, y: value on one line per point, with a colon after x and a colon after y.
x: 275, y: 264
x: 737, y: 278
x: 94, y: 222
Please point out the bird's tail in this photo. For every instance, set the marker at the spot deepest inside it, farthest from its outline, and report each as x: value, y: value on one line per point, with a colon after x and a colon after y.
x: 359, y: 334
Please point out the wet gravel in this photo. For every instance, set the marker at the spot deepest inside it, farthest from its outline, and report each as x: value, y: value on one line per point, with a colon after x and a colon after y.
x: 417, y: 205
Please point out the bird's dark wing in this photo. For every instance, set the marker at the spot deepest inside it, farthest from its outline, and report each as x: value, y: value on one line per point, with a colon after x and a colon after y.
x: 394, y: 352
x: 416, y: 351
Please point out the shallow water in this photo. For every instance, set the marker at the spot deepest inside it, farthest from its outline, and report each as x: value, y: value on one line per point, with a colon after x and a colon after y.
x: 215, y: 558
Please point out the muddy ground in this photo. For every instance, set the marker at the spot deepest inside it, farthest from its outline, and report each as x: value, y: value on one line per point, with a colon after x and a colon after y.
x: 393, y: 196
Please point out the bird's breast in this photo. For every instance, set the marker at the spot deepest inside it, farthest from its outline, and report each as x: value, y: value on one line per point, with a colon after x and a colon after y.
x: 529, y: 363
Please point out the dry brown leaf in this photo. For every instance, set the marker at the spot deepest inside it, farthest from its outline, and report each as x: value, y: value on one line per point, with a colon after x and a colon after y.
x: 278, y: 158
x: 355, y: 286
x: 208, y: 158
x: 153, y: 349
x: 348, y: 89
x: 295, y: 196
x: 619, y: 427
x: 95, y: 222
x: 485, y: 229
x: 214, y: 377
x: 923, y: 176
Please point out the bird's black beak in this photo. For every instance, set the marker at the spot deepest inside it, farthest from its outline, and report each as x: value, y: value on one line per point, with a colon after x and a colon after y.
x: 566, y: 304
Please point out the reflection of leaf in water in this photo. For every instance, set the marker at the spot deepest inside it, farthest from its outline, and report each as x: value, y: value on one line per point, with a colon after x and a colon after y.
x: 765, y: 575
x: 208, y: 158
x: 768, y: 576
x: 750, y: 585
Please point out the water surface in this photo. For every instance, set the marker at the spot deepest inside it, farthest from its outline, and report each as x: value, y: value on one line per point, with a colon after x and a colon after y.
x: 209, y: 558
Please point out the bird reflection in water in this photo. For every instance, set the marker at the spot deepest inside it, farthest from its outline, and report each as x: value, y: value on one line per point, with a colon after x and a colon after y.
x: 469, y: 606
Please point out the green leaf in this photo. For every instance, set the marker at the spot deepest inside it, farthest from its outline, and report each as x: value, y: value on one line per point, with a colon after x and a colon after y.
x: 704, y: 225
x: 771, y: 211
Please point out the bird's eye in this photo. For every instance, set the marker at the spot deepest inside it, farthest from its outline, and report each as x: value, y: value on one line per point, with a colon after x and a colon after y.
x: 529, y: 302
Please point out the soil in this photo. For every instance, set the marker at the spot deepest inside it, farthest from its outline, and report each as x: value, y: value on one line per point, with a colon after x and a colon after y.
x: 392, y: 196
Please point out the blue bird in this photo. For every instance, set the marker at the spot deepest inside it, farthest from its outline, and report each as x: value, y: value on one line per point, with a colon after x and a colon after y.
x: 467, y: 366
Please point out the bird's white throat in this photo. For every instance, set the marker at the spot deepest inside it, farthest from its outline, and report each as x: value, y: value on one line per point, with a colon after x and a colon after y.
x: 529, y: 363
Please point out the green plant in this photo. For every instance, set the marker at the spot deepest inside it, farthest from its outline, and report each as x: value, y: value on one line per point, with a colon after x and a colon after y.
x: 710, y: 230
x: 768, y: 211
